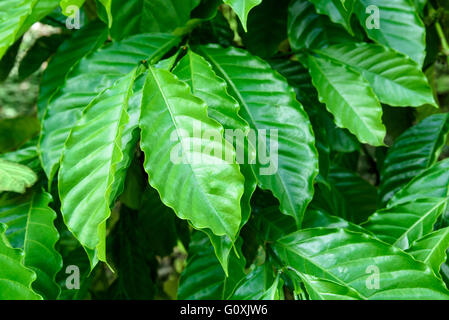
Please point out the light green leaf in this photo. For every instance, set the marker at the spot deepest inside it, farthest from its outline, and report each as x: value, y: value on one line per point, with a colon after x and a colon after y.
x: 88, y: 165
x: 405, y: 223
x: 354, y: 260
x: 71, y: 51
x: 242, y: 8
x: 395, y: 79
x: 349, y: 98
x: 400, y: 26
x: 175, y: 137
x: 15, y: 279
x: 31, y: 228
x: 415, y: 150
x: 90, y: 77
x: 431, y: 249
x: 15, y: 177
x: 107, y: 6
x: 269, y: 105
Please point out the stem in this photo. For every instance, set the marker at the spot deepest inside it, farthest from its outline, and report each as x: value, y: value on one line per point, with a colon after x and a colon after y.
x: 443, y: 39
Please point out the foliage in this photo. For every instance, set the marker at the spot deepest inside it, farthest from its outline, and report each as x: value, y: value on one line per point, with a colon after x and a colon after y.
x: 235, y: 149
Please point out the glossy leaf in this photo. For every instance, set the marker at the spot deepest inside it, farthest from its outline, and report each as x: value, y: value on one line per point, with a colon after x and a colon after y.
x: 30, y: 223
x: 395, y: 79
x: 337, y: 10
x: 173, y: 123
x: 350, y: 99
x: 91, y: 154
x: 268, y: 103
x: 349, y: 259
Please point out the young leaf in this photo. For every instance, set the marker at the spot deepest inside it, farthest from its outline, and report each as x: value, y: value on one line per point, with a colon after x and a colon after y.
x: 349, y: 98
x: 30, y: 223
x: 15, y: 177
x: 415, y: 150
x: 372, y: 269
x: 175, y: 137
x: 269, y: 105
x: 395, y: 79
x: 88, y: 165
x: 15, y: 279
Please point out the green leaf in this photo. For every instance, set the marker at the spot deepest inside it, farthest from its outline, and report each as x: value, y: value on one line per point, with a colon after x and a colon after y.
x: 431, y: 183
x: 71, y: 51
x: 242, y: 8
x: 15, y: 177
x: 395, y: 79
x: 268, y: 103
x: 431, y: 249
x: 175, y: 133
x: 205, y: 84
x: 405, y: 223
x: 349, y: 98
x: 107, y: 5
x: 316, y: 218
x: 400, y: 26
x: 13, y: 14
x: 15, y: 283
x: 30, y: 228
x: 26, y: 155
x: 321, y: 289
x: 203, y: 278
x: 91, y: 154
x: 309, y: 30
x: 324, y: 253
x: 90, y: 77
x: 338, y: 11
x: 415, y: 150
x: 259, y: 284
x: 8, y: 61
